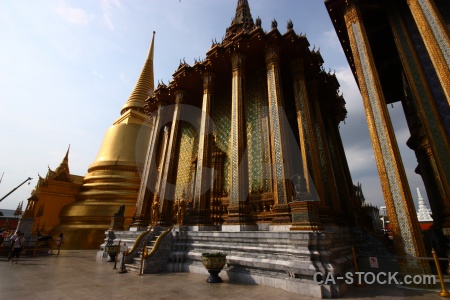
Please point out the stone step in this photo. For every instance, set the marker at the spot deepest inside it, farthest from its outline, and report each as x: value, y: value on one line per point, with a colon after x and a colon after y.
x: 132, y: 267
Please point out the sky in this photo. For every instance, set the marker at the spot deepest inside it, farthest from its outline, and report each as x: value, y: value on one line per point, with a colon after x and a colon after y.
x: 67, y: 68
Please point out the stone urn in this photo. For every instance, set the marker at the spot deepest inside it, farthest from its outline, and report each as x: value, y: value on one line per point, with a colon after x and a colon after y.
x: 214, y: 263
x: 112, y: 252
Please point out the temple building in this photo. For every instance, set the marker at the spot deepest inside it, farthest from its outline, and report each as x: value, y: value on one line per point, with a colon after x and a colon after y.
x: 247, y: 135
x: 239, y: 153
x: 51, y: 193
x: 245, y: 157
x: 399, y: 51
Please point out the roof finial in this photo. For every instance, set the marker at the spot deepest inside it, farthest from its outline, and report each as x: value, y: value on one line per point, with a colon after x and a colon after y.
x: 145, y: 84
x: 290, y: 25
x: 243, y: 18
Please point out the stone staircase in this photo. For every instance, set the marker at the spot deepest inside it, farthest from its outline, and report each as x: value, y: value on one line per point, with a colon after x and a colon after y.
x: 155, y: 237
x: 134, y: 263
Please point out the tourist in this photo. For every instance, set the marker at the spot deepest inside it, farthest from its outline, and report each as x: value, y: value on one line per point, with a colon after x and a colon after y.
x: 12, y: 239
x: 18, y: 246
x: 60, y: 242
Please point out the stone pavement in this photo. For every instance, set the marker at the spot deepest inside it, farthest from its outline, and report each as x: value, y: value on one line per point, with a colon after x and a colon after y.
x: 76, y: 274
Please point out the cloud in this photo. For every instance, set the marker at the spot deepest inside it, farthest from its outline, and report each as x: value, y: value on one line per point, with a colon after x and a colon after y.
x: 74, y: 15
x: 330, y: 39
x: 107, y: 7
x: 351, y: 92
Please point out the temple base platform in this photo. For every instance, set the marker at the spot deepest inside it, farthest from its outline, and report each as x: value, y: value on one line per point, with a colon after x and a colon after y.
x: 290, y: 260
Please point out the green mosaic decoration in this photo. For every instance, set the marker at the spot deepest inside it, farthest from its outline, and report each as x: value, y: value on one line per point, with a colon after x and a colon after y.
x: 188, y: 151
x: 323, y: 165
x: 221, y: 115
x: 254, y: 100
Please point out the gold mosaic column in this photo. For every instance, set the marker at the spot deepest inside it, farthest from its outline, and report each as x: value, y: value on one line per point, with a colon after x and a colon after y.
x: 435, y: 147
x: 282, y: 186
x: 202, y: 191
x: 330, y: 190
x: 238, y: 209
x: 167, y: 190
x: 303, y: 122
x: 402, y: 215
x: 436, y: 38
x: 148, y: 174
x: 305, y: 212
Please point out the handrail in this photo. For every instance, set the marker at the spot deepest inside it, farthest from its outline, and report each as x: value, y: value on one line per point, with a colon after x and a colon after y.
x: 157, y: 242
x: 136, y: 243
x: 146, y: 254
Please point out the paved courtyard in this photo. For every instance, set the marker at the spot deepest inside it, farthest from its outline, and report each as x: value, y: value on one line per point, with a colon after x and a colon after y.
x: 76, y: 274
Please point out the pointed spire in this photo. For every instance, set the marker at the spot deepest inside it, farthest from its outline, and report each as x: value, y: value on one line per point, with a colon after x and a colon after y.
x: 424, y: 213
x: 66, y: 158
x: 144, y: 86
x: 62, y: 172
x: 243, y: 14
x: 243, y: 18
x: 64, y: 165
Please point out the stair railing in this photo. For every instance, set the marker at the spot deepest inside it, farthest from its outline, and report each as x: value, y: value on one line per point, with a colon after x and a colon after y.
x: 136, y: 243
x: 146, y: 254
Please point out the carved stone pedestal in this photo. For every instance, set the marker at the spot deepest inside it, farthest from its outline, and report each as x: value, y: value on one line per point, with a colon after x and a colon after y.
x: 305, y: 216
x: 281, y: 214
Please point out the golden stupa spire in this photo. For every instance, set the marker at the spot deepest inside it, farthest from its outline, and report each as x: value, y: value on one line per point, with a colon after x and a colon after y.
x: 63, y: 167
x: 144, y: 86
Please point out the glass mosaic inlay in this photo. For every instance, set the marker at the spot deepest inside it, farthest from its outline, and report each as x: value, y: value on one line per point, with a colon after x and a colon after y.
x: 234, y: 168
x: 201, y: 148
x: 388, y: 160
x: 188, y: 150
x: 275, y: 122
x: 437, y: 30
x: 256, y: 152
x: 221, y: 115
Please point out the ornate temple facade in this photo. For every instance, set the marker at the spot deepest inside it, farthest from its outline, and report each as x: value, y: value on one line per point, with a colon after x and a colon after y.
x: 399, y: 51
x: 51, y: 194
x: 248, y: 137
x: 242, y: 152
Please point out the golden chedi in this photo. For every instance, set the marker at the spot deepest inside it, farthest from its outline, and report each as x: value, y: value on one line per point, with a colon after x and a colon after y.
x: 113, y: 179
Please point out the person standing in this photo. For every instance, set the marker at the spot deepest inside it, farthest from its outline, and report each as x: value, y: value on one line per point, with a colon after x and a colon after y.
x: 18, y: 247
x: 12, y: 239
x: 60, y: 242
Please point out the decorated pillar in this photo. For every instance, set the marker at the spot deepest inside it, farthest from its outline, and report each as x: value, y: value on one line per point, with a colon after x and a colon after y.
x: 167, y: 190
x: 282, y: 186
x: 428, y: 139
x: 149, y: 173
x: 318, y: 155
x: 238, y: 210
x: 305, y: 127
x: 436, y: 37
x: 161, y: 158
x: 305, y: 212
x: 322, y: 136
x: 400, y: 206
x: 201, y: 213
